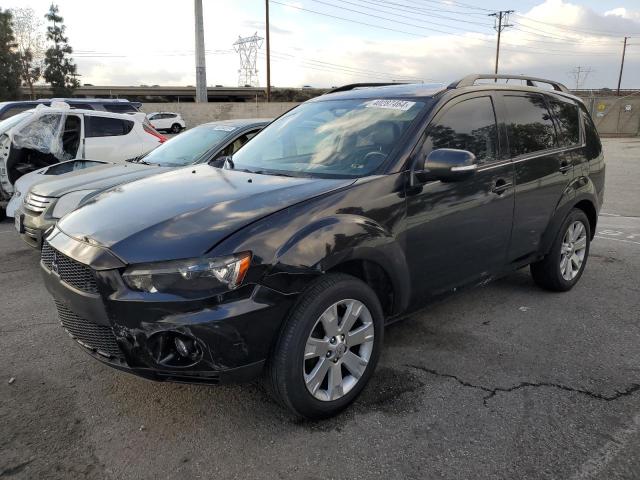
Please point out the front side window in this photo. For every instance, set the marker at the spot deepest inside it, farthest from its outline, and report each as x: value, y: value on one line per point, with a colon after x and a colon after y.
x: 529, y: 124
x: 469, y: 125
x: 568, y: 122
x: 331, y: 138
x: 106, y: 127
x: 239, y: 142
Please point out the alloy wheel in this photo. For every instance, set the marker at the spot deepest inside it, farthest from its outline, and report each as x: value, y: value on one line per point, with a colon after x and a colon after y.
x: 572, y: 251
x: 338, y: 349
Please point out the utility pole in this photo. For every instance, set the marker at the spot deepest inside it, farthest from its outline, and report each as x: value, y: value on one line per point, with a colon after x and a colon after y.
x: 624, y: 50
x: 201, y: 68
x: 266, y: 5
x: 501, y: 22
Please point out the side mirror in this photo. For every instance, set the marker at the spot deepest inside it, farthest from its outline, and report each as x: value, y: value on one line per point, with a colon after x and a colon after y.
x: 448, y: 165
x: 219, y: 162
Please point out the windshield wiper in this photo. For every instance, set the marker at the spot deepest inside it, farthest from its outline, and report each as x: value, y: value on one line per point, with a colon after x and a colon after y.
x: 271, y: 172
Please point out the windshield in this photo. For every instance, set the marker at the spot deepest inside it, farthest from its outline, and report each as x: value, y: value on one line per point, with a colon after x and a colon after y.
x: 13, y: 121
x: 189, y: 146
x: 333, y: 138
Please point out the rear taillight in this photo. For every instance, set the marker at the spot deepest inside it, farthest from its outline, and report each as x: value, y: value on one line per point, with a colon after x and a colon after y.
x: 152, y: 131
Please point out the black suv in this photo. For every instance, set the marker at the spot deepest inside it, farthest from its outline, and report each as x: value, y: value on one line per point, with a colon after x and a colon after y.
x: 346, y: 213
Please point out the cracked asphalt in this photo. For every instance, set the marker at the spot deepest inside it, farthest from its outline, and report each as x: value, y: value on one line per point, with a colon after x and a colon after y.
x: 501, y: 381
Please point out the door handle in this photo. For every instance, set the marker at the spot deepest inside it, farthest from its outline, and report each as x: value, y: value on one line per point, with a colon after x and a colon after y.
x: 500, y: 186
x: 565, y: 166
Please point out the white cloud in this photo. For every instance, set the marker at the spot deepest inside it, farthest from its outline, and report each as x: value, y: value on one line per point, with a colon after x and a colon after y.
x: 157, y: 46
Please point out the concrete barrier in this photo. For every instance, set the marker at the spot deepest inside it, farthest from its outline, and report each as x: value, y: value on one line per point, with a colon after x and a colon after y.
x: 615, y: 116
x: 197, y: 113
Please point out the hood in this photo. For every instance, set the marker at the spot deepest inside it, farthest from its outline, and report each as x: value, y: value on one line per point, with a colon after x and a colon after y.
x: 94, y: 178
x: 185, y: 212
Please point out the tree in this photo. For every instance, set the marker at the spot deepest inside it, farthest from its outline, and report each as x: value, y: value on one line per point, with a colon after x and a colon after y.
x: 60, y: 71
x: 27, y: 28
x: 9, y: 59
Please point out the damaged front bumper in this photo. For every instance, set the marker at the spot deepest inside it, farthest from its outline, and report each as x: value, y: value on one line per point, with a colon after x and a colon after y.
x: 214, y: 340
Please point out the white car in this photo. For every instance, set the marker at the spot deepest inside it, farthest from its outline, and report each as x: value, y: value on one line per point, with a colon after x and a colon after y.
x: 167, y: 121
x: 32, y: 141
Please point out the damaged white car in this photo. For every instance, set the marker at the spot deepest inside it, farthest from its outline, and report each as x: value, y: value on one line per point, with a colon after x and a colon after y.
x: 32, y: 141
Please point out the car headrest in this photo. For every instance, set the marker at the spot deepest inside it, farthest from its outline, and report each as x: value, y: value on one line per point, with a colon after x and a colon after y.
x: 385, y: 133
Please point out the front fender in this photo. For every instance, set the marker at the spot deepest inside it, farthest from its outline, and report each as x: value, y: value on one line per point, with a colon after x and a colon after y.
x: 334, y: 240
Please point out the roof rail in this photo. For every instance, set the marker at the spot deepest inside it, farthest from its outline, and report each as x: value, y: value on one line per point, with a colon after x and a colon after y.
x: 353, y: 86
x: 470, y: 80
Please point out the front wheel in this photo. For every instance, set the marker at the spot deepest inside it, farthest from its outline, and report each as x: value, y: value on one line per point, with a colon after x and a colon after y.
x: 328, y: 348
x: 561, y: 269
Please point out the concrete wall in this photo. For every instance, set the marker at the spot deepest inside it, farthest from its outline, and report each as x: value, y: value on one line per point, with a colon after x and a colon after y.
x: 197, y: 113
x: 611, y: 114
x: 615, y: 116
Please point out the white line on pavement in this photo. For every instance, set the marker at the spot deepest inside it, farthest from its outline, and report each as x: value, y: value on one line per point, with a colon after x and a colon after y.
x: 617, y: 239
x: 619, y: 440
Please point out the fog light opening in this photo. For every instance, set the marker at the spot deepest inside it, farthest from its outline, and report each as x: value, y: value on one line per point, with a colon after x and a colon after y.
x: 173, y: 349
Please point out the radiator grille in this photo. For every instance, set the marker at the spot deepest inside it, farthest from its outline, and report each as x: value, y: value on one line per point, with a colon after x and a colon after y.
x: 37, y: 203
x: 74, y: 273
x: 98, y: 338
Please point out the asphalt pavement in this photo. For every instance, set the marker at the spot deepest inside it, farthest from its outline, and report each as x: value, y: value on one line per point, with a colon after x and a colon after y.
x: 505, y: 381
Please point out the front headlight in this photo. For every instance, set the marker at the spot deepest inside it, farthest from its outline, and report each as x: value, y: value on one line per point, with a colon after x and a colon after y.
x: 195, y: 277
x: 69, y: 202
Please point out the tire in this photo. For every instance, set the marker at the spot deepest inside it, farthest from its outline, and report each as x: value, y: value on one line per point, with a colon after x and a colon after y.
x: 176, y: 128
x: 556, y: 271
x: 3, y: 213
x: 291, y: 378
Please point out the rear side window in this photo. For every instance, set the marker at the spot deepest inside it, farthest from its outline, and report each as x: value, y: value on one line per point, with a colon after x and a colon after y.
x: 106, y: 127
x: 529, y: 124
x: 82, y: 106
x: 119, y: 107
x: 568, y: 122
x: 469, y: 125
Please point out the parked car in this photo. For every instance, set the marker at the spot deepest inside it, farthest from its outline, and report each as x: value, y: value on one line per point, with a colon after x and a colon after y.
x: 343, y: 215
x: 48, y: 135
x: 167, y: 121
x: 9, y: 109
x: 67, y: 185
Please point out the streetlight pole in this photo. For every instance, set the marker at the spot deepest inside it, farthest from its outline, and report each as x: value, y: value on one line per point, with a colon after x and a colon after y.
x: 266, y: 5
x: 201, y: 68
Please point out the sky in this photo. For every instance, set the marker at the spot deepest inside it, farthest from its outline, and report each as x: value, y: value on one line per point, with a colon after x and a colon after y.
x: 324, y: 43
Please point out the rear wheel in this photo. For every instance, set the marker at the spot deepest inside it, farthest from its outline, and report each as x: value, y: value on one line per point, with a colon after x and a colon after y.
x: 176, y: 128
x: 561, y: 269
x: 328, y: 348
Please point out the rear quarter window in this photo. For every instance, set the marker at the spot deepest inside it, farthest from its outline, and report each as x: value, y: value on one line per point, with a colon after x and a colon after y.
x: 106, y: 127
x: 529, y: 124
x: 568, y: 121
x: 119, y: 107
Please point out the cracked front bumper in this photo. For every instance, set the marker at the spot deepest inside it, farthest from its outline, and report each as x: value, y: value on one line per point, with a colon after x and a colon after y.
x: 119, y: 327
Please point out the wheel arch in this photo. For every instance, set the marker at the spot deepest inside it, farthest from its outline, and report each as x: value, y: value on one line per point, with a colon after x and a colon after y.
x: 344, y: 243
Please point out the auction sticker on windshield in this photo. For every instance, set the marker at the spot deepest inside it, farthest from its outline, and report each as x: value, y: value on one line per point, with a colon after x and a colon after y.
x: 391, y: 104
x: 225, y: 128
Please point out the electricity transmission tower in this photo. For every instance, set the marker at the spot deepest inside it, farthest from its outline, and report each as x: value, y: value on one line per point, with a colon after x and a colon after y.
x: 247, y: 48
x: 580, y: 75
x: 501, y: 22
